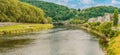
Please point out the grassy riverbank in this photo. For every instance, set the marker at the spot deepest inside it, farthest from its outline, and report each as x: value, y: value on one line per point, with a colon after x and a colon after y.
x: 23, y: 28
x: 108, y: 37
x: 114, y: 46
x: 108, y: 44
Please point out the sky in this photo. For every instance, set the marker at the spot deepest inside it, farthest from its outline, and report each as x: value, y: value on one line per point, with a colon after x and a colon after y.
x: 86, y: 3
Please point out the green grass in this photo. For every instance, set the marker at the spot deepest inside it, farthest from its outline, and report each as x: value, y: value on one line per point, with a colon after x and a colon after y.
x: 114, y: 46
x: 24, y: 28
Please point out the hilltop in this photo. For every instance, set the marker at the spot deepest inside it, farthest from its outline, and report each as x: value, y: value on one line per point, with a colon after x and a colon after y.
x: 97, y: 11
x: 16, y: 11
x: 60, y: 12
x: 57, y: 12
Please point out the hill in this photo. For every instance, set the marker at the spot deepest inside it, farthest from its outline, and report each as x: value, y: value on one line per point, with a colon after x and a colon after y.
x: 16, y: 11
x: 96, y: 11
x: 57, y: 12
x: 60, y: 12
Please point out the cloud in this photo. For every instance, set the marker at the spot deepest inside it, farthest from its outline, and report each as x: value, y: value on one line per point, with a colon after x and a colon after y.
x: 87, y: 1
x: 62, y: 2
x: 115, y: 2
x: 73, y: 5
x: 66, y: 1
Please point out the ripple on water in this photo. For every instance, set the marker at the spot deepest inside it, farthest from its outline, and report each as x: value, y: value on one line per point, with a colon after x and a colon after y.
x: 51, y: 42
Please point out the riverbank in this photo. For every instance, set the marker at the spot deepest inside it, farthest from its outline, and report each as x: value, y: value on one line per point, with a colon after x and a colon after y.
x: 114, y: 46
x: 8, y: 24
x: 103, y: 40
x: 23, y: 28
x: 92, y: 31
x: 109, y: 45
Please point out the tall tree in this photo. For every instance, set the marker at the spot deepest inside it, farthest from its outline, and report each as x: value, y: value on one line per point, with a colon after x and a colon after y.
x: 115, y: 17
x: 79, y: 9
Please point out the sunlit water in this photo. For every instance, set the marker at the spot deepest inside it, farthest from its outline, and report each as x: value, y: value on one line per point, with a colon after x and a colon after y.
x: 51, y: 42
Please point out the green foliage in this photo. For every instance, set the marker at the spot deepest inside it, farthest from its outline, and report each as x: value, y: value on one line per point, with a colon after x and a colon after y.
x: 55, y: 11
x: 114, y: 33
x: 23, y: 28
x: 61, y: 13
x: 105, y: 28
x: 113, y: 48
x: 115, y: 18
x: 74, y: 21
x: 92, y: 25
x: 49, y: 19
x: 16, y: 11
x: 86, y: 24
x: 96, y: 11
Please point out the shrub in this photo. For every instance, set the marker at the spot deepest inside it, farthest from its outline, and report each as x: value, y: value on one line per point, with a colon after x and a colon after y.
x: 105, y: 28
x: 113, y: 33
x: 93, y: 25
x: 75, y: 21
x: 86, y: 24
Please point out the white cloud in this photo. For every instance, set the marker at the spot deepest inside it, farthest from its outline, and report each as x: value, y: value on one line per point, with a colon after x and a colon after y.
x: 115, y: 2
x: 63, y: 2
x: 87, y: 1
x: 66, y: 1
x: 73, y: 5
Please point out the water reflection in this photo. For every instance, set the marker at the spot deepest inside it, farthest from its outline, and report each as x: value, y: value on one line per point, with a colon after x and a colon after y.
x: 7, y: 44
x: 51, y: 42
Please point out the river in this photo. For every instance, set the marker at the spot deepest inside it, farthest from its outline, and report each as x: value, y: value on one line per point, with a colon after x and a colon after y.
x: 59, y: 41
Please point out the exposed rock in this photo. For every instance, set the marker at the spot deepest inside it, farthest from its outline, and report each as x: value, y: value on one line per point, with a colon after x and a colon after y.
x: 106, y: 18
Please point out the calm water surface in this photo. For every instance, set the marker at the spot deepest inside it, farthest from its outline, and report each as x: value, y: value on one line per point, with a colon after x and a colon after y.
x: 59, y: 41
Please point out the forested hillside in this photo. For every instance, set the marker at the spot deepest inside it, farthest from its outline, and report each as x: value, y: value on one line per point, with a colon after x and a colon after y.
x: 96, y: 11
x: 16, y: 11
x: 57, y: 12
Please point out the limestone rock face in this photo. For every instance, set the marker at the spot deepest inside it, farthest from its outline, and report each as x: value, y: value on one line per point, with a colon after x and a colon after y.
x: 106, y: 18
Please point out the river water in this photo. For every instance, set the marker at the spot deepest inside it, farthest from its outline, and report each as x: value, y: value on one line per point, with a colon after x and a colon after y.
x: 59, y: 41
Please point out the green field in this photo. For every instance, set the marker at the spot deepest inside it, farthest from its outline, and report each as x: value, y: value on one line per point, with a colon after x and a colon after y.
x: 24, y: 28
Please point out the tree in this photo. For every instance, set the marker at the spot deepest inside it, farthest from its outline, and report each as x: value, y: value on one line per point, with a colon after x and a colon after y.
x: 23, y: 12
x: 115, y: 17
x: 56, y: 12
x: 49, y: 19
x: 79, y: 9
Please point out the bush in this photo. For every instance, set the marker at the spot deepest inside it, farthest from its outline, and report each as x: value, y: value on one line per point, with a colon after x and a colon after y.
x: 93, y: 25
x: 75, y: 21
x: 86, y: 24
x: 105, y: 28
x: 113, y: 33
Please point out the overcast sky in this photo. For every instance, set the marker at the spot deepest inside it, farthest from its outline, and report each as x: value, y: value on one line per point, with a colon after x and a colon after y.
x: 85, y: 3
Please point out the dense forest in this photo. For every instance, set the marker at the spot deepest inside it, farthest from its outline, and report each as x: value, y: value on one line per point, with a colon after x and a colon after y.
x: 96, y: 11
x: 16, y: 11
x: 57, y: 12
